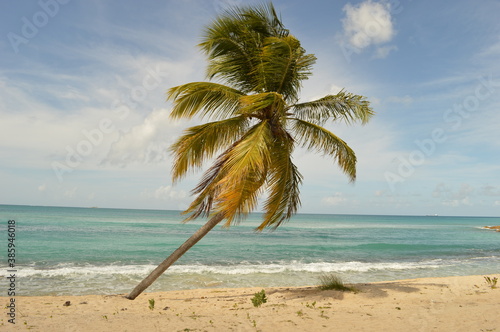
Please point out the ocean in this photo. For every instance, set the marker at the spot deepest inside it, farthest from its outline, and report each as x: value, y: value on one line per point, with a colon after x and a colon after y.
x: 77, y: 251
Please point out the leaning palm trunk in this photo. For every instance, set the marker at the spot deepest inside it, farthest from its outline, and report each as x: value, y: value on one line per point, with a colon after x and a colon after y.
x: 146, y: 282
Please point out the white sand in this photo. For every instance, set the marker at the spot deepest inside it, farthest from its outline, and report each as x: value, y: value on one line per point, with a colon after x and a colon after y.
x: 431, y: 304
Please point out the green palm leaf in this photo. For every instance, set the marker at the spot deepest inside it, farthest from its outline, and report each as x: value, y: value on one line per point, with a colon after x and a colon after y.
x: 231, y: 186
x: 320, y: 140
x: 342, y: 106
x: 284, y: 65
x: 233, y: 41
x: 262, y: 105
x: 204, y: 98
x: 283, y: 182
x: 201, y: 142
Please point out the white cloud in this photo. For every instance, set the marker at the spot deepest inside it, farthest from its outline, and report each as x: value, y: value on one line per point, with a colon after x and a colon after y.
x: 334, y: 89
x: 451, y: 197
x: 70, y: 193
x: 369, y: 23
x: 490, y: 191
x: 383, y: 52
x: 337, y: 199
x: 383, y: 193
x: 165, y: 193
x: 405, y: 100
x: 491, y: 50
x: 146, y: 143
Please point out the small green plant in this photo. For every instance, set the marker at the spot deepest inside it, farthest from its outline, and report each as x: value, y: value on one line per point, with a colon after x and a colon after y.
x: 332, y: 281
x: 312, y: 305
x: 259, y: 298
x: 194, y: 316
x: 300, y: 313
x: 492, y: 282
x: 151, y: 304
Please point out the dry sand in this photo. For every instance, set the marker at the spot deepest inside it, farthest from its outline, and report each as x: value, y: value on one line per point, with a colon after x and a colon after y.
x: 432, y: 304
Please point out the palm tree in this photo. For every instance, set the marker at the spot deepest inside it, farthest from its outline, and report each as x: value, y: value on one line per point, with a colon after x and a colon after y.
x: 257, y: 122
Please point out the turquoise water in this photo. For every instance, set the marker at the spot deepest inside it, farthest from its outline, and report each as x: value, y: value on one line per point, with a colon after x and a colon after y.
x: 63, y: 251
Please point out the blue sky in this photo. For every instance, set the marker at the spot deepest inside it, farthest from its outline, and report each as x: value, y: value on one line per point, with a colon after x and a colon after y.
x: 84, y: 121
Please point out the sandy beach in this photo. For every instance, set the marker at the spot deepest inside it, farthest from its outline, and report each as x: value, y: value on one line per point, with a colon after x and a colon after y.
x: 430, y: 304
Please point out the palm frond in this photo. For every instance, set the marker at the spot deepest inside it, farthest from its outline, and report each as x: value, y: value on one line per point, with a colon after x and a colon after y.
x: 284, y: 65
x: 231, y: 186
x: 232, y: 60
x: 207, y: 190
x: 232, y: 44
x: 204, y: 98
x: 316, y: 138
x: 245, y: 173
x: 342, y: 106
x: 257, y: 105
x: 264, y: 20
x: 283, y: 184
x: 200, y: 143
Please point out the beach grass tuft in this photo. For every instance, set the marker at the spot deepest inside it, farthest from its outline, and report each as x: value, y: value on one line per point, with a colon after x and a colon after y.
x: 259, y: 298
x: 151, y: 304
x: 492, y: 282
x: 334, y: 282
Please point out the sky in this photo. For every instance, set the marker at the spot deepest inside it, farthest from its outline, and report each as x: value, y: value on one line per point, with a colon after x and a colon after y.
x: 84, y: 120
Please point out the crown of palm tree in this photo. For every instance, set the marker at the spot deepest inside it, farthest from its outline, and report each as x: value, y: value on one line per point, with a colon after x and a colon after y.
x: 256, y: 68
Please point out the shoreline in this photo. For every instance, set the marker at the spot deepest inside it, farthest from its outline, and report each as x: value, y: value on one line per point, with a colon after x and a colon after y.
x: 465, y: 303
